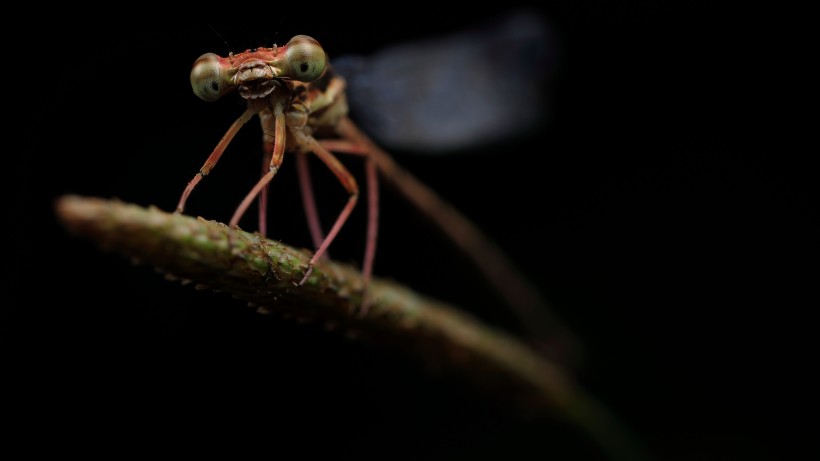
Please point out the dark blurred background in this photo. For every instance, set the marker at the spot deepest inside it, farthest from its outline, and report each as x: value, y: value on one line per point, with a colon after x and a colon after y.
x: 653, y: 207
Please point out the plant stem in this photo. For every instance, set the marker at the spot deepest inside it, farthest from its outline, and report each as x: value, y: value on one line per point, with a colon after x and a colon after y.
x: 265, y: 273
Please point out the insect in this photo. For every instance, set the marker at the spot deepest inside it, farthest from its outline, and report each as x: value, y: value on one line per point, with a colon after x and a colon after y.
x: 301, y: 102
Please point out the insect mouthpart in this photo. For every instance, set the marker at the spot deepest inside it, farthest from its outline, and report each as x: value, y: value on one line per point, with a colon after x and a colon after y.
x: 255, y: 79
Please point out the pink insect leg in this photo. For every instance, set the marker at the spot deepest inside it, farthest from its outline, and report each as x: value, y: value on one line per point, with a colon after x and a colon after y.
x: 263, y: 195
x: 275, y: 144
x: 372, y: 178
x: 348, y: 182
x: 214, y: 157
x: 308, y: 200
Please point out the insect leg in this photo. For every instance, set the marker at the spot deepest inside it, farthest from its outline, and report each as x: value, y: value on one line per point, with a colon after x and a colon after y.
x: 308, y: 199
x: 214, y: 157
x: 372, y: 228
x: 263, y: 195
x: 345, y: 178
x: 372, y: 177
x: 275, y: 144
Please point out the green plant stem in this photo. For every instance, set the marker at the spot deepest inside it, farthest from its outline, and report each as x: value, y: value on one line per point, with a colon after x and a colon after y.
x: 265, y: 273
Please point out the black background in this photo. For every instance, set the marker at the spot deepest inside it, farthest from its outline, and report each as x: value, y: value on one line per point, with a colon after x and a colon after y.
x: 656, y: 211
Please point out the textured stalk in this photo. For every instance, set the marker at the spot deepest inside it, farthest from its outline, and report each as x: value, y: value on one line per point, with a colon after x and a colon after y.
x: 264, y: 273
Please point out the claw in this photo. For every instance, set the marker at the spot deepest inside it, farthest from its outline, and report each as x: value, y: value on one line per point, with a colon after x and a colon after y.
x: 306, y: 276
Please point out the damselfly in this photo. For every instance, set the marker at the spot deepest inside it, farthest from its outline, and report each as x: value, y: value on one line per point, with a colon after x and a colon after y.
x: 467, y: 88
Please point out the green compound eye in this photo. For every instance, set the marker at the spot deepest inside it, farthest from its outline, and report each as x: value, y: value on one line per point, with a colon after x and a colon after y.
x: 305, y: 58
x: 206, y: 77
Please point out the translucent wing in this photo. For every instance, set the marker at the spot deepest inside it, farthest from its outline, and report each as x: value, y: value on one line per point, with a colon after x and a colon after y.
x: 454, y: 92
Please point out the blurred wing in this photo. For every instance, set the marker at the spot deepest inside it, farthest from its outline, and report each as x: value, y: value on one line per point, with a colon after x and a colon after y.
x: 454, y: 92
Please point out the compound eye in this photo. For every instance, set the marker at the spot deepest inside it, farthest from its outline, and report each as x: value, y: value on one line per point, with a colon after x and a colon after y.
x: 305, y: 58
x: 206, y: 77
